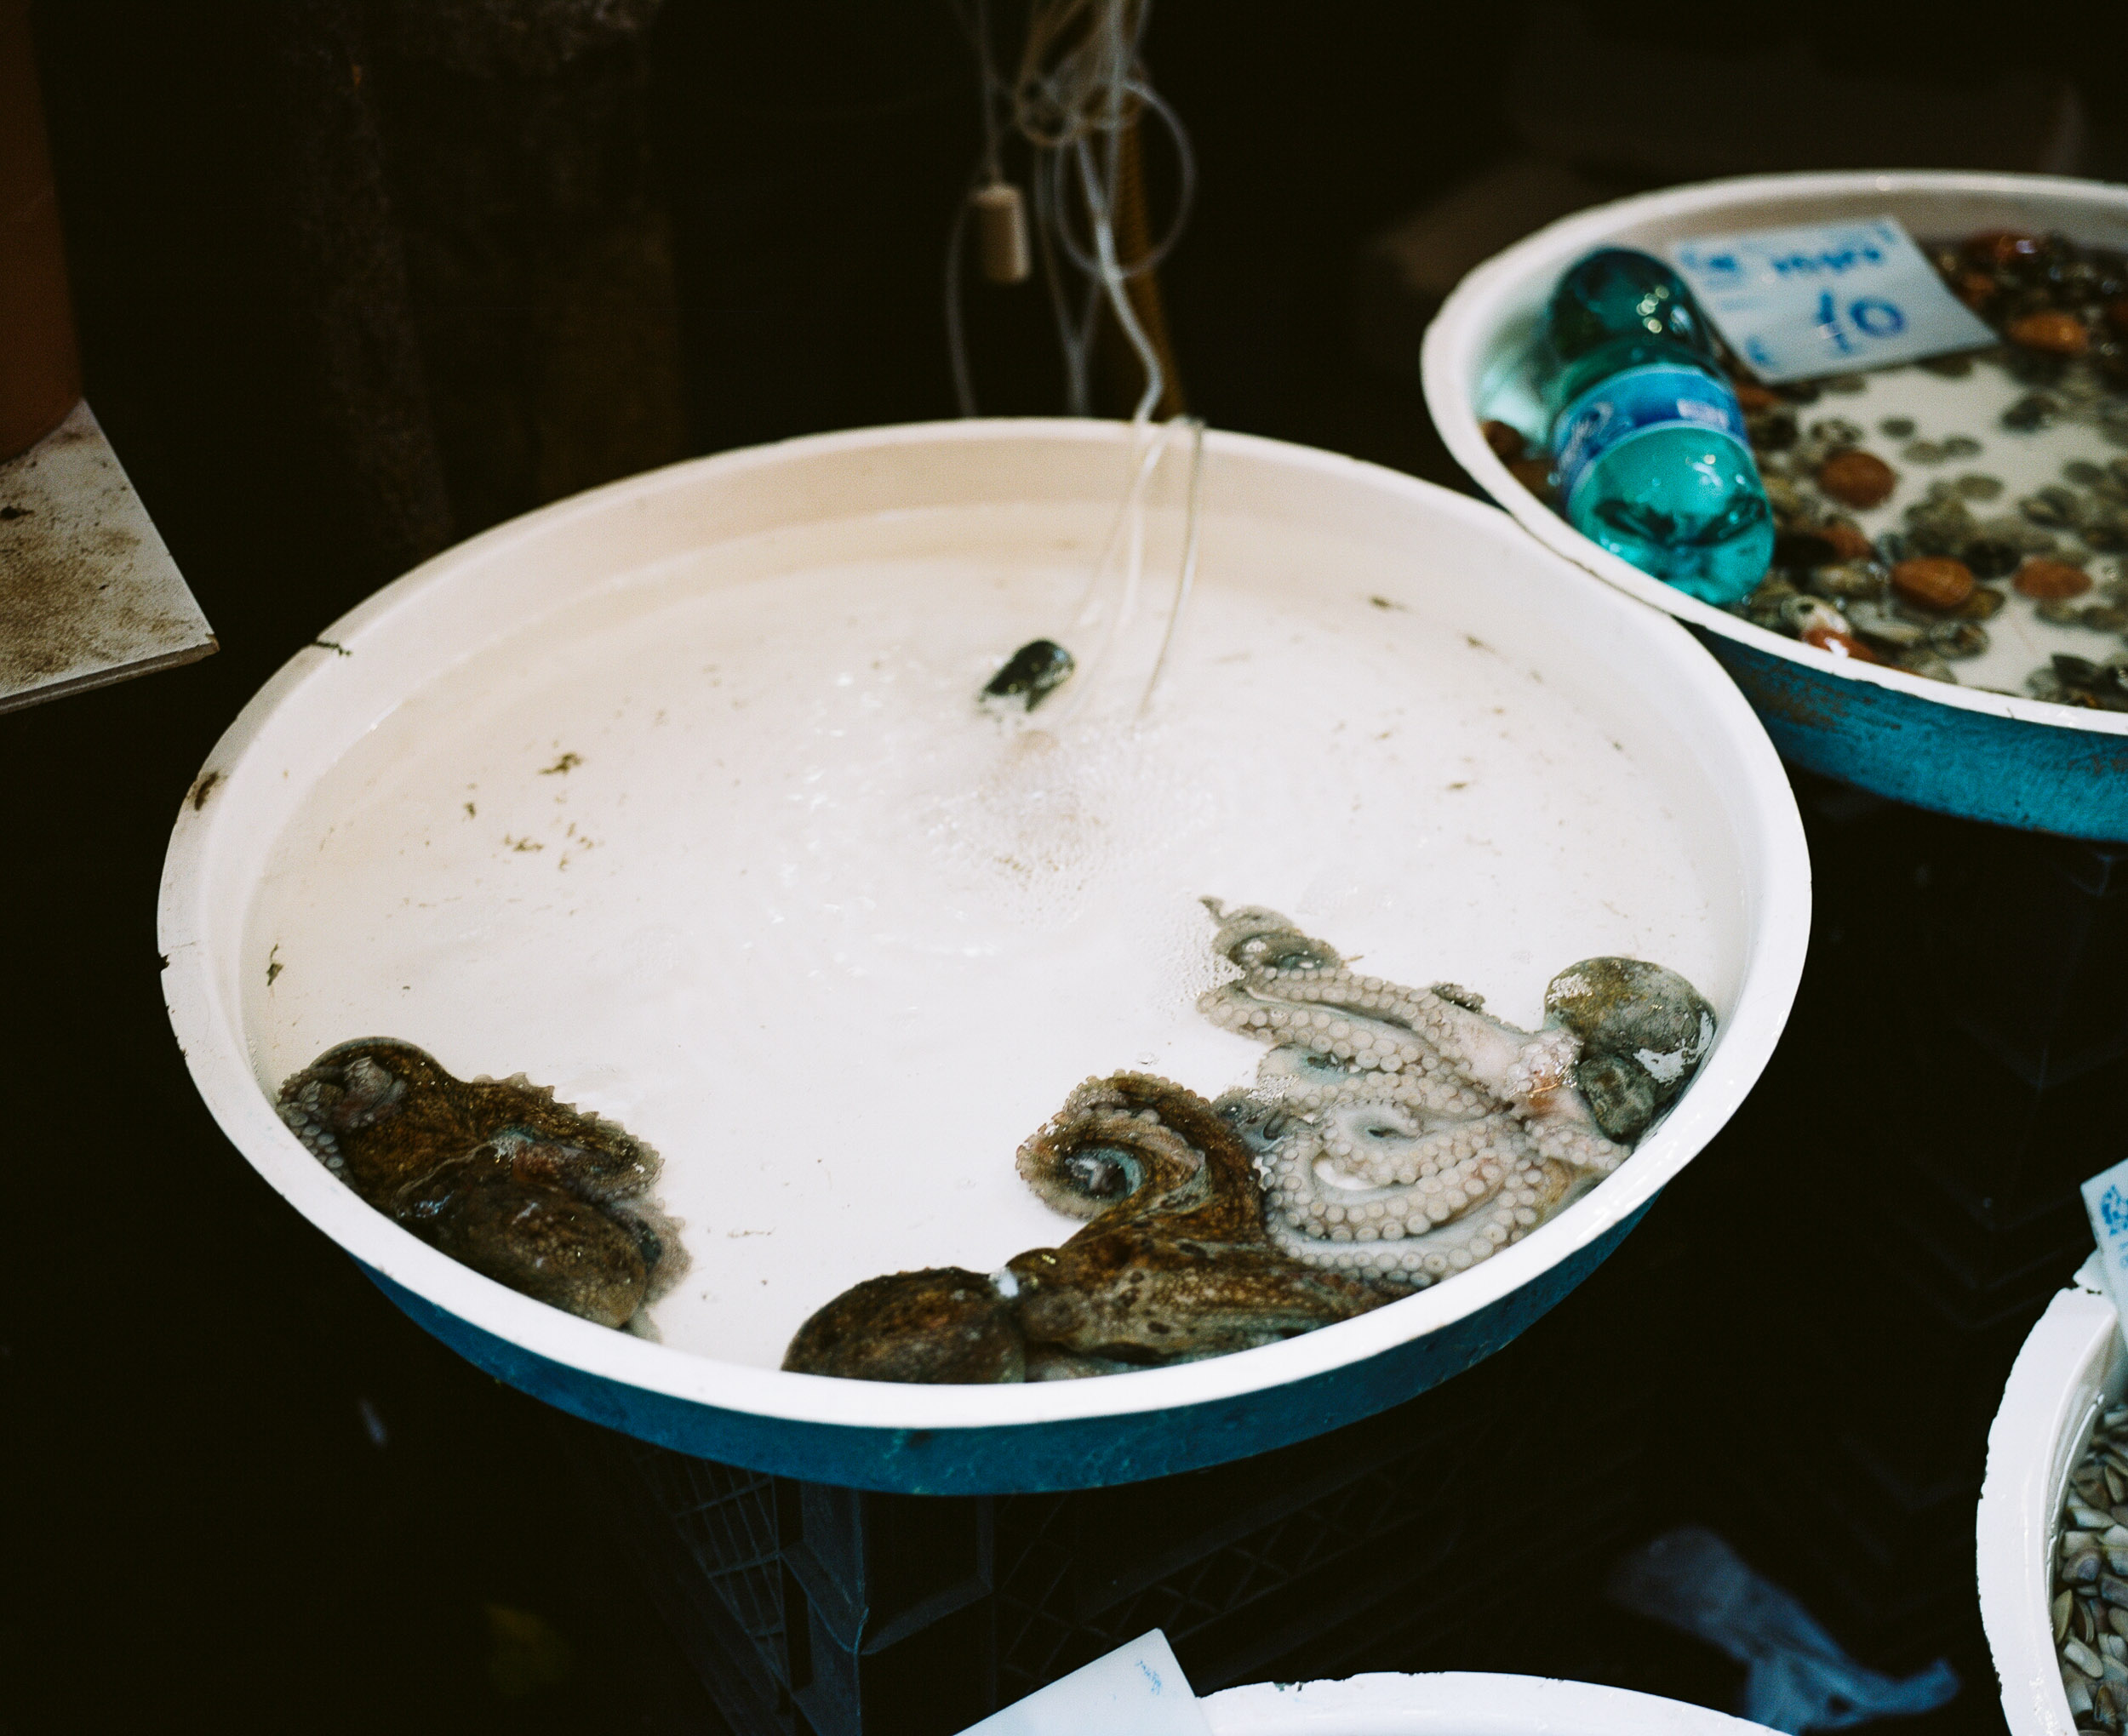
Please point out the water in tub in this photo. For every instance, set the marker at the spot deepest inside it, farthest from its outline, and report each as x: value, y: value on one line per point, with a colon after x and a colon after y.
x: 729, y: 852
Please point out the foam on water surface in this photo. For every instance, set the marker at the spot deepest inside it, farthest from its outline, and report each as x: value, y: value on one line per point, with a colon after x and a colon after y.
x: 727, y: 851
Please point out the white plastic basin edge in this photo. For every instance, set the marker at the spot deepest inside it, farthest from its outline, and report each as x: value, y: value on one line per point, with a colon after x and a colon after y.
x: 1457, y: 341
x: 1457, y: 1704
x: 2072, y: 1366
x: 209, y: 1031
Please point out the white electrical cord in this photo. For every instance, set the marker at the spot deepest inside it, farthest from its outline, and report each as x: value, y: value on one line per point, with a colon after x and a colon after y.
x: 1080, y: 83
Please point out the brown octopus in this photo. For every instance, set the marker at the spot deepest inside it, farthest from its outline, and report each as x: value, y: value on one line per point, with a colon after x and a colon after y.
x: 1177, y: 1264
x: 533, y: 1193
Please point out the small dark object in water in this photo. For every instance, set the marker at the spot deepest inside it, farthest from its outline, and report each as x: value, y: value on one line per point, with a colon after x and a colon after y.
x: 1857, y: 478
x: 1933, y: 582
x: 1535, y: 474
x: 494, y: 1173
x: 2035, y: 410
x: 1773, y: 432
x: 1843, y: 582
x: 1958, y: 638
x: 1989, y: 558
x: 2051, y: 581
x: 1803, y: 550
x: 1506, y: 442
x: 1036, y: 670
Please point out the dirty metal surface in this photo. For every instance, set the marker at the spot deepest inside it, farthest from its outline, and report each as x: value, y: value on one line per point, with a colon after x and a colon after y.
x: 88, y: 594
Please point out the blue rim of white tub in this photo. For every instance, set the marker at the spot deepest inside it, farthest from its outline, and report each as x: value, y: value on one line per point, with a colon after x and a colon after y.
x: 1453, y: 356
x: 861, y: 1427
x: 2072, y: 1365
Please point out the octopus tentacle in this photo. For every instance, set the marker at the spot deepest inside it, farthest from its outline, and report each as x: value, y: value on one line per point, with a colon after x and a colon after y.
x: 1579, y: 1148
x: 1421, y: 1254
x: 1376, y: 1143
x: 1296, y: 1011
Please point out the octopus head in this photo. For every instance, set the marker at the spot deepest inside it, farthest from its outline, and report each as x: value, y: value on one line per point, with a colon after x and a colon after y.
x: 1643, y: 1031
x: 942, y: 1328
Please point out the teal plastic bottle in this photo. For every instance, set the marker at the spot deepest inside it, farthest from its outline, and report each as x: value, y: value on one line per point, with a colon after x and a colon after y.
x: 1648, y: 442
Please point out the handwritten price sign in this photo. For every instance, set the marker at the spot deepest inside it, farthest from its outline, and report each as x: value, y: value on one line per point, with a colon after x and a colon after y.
x: 1832, y: 298
x: 2106, y: 1202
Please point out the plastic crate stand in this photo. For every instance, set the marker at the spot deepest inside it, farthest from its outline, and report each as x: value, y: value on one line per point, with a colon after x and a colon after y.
x: 813, y: 1611
x: 702, y: 1538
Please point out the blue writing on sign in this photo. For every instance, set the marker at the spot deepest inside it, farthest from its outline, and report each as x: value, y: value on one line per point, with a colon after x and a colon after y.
x: 1831, y: 298
x: 2105, y: 1203
x: 2113, y: 1210
x: 1848, y: 325
x: 1877, y: 317
x: 1835, y: 260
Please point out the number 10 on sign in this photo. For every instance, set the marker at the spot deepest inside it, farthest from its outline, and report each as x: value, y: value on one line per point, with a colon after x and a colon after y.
x: 1803, y: 302
x: 1871, y: 316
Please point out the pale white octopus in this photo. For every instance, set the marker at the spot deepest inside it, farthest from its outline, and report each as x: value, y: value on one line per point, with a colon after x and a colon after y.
x: 1404, y: 1134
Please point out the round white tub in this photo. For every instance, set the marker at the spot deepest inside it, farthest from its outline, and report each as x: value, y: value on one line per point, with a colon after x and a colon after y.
x: 2072, y: 1367
x: 483, y: 815
x: 1985, y: 755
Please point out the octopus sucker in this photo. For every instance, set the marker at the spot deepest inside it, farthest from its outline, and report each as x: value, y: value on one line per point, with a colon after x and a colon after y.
x: 550, y: 1200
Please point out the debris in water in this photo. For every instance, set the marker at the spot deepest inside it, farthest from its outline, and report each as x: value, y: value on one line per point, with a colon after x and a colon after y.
x: 1035, y: 671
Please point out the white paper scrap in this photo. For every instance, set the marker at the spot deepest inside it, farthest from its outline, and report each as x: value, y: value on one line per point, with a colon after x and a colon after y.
x: 2106, y: 1201
x: 1137, y: 1690
x: 1826, y: 298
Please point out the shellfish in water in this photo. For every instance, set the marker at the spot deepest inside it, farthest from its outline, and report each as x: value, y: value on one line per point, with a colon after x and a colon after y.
x: 533, y: 1193
x: 1394, y: 1137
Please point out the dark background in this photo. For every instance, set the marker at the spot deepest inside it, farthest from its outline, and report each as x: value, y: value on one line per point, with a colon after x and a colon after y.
x: 332, y: 323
